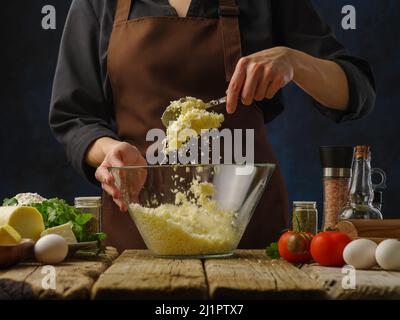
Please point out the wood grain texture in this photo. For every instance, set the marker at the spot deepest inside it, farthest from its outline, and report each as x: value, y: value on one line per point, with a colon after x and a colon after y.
x: 74, y: 278
x: 371, y: 228
x: 251, y: 275
x: 12, y: 282
x: 136, y: 274
x: 370, y: 284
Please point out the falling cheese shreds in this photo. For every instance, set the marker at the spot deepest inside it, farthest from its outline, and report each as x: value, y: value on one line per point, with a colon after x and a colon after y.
x: 193, y: 119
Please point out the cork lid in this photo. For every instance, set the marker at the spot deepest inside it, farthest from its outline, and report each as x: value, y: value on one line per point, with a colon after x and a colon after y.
x: 362, y: 152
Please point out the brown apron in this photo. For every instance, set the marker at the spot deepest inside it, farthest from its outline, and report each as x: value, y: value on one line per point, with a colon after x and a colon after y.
x: 154, y: 60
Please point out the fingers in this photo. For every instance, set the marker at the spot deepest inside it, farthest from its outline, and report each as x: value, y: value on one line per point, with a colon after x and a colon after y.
x: 112, y: 190
x: 263, y: 86
x: 122, y: 155
x: 107, y: 184
x: 253, y: 77
x: 115, y: 158
x: 259, y: 76
x: 251, y: 81
x: 104, y: 176
x: 236, y: 85
x: 269, y: 86
x: 274, y: 87
x: 102, y: 173
x: 121, y: 205
x: 115, y: 194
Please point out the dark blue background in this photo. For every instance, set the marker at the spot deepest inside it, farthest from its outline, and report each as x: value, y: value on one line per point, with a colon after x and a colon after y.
x: 31, y: 160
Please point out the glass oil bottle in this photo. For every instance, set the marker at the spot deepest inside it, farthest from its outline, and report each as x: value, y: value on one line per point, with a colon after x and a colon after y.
x: 359, y: 204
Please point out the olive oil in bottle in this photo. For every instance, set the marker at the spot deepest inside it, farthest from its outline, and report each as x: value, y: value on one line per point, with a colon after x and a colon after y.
x: 361, y: 193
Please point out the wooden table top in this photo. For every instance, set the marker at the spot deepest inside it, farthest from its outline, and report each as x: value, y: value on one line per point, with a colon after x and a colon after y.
x: 74, y: 278
x: 136, y: 274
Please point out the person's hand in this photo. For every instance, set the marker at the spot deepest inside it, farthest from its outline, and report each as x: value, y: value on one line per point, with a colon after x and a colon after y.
x: 260, y: 76
x: 119, y: 155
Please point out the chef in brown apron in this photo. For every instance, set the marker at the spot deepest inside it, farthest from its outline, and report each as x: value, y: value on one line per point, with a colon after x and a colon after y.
x: 153, y: 60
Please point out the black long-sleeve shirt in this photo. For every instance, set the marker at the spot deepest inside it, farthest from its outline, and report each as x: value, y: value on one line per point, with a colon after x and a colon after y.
x: 82, y: 105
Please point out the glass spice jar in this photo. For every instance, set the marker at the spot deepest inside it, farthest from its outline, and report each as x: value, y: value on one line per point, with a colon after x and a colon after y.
x: 336, y: 165
x: 305, y: 217
x: 91, y: 205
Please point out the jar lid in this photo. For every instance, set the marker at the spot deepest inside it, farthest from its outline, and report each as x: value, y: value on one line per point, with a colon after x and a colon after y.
x: 88, y: 200
x: 305, y: 204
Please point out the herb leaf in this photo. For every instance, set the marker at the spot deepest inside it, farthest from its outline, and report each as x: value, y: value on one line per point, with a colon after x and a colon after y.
x: 10, y: 202
x: 83, y: 218
x: 272, y: 251
x: 56, y: 212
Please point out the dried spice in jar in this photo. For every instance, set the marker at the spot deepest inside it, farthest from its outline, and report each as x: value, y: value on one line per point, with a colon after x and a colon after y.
x: 305, y: 217
x: 336, y: 190
x: 336, y: 163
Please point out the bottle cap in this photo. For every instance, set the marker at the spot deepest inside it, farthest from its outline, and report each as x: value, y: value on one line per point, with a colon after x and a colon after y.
x: 336, y: 156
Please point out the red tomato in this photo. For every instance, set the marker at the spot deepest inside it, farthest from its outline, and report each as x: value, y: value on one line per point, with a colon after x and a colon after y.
x: 327, y: 248
x: 294, y: 247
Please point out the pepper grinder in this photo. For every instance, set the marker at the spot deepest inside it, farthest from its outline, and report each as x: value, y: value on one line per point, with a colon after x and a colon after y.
x: 336, y: 165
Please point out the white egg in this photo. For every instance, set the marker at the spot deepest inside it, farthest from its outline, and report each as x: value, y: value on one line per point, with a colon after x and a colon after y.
x: 51, y: 249
x: 360, y: 254
x: 387, y: 254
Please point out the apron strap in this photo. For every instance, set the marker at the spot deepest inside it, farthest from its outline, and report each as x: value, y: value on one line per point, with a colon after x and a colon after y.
x: 123, y: 11
x: 229, y: 20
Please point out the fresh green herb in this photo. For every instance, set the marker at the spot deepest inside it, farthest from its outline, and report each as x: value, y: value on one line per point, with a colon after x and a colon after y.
x: 10, y: 202
x: 272, y: 251
x: 99, y: 237
x: 56, y: 212
x: 297, y: 226
x: 327, y: 229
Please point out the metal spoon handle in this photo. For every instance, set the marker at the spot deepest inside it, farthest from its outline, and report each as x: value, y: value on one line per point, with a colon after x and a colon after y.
x: 217, y: 102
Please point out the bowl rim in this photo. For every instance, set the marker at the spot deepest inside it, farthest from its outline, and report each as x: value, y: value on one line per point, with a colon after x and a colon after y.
x: 257, y: 165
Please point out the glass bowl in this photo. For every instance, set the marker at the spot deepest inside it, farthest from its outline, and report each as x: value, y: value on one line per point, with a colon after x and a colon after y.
x: 192, y: 211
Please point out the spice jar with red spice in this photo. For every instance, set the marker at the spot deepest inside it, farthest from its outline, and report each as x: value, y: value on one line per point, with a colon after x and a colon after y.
x: 336, y: 165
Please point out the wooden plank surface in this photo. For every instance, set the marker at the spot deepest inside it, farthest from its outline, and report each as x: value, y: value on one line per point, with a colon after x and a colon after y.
x: 137, y: 274
x: 74, y: 278
x: 369, y: 284
x: 251, y: 275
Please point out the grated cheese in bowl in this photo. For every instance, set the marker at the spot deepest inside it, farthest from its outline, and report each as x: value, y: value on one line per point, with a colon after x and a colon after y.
x: 194, y: 225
